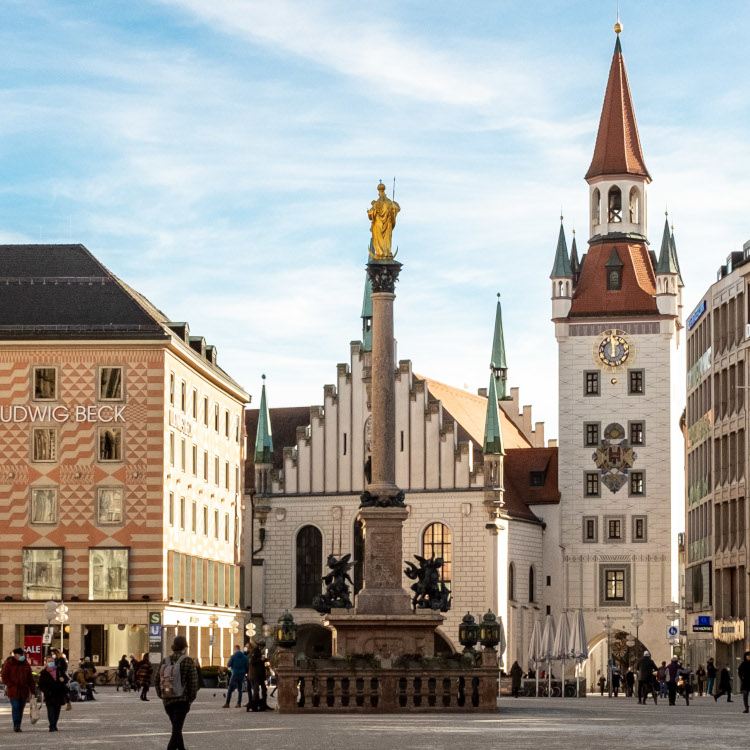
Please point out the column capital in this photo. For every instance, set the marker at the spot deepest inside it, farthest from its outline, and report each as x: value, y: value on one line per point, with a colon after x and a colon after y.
x: 383, y: 275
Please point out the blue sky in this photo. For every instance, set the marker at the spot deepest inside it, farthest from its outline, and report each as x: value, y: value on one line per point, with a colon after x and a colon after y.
x: 220, y: 157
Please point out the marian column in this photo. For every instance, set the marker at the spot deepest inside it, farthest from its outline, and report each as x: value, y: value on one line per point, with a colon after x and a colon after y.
x: 383, y: 511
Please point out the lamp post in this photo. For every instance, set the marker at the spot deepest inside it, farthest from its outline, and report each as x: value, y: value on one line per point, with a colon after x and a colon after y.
x: 61, y: 615
x: 636, y: 618
x: 213, y: 619
x: 609, y: 627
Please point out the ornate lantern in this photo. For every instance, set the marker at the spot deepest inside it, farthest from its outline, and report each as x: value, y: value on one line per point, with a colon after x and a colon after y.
x: 468, y: 632
x: 285, y: 634
x: 489, y: 630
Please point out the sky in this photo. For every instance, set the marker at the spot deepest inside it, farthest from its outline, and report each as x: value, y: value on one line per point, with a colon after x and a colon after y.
x: 220, y: 157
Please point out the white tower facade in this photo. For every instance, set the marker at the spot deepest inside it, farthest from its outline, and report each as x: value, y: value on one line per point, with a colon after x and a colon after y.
x: 618, y: 426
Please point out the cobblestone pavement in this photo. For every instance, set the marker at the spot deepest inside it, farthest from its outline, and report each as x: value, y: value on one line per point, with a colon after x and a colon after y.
x: 119, y: 720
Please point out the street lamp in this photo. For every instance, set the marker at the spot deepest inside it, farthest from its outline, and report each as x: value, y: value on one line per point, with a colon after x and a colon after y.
x: 636, y: 618
x: 609, y: 627
x: 61, y: 616
x: 213, y: 619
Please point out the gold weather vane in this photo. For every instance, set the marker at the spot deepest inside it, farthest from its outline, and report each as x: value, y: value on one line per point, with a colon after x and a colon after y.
x: 382, y: 217
x: 618, y: 25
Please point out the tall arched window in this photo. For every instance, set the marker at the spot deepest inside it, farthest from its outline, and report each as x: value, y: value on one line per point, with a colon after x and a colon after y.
x: 359, y: 556
x: 635, y: 208
x: 436, y: 542
x: 596, y: 200
x: 532, y: 584
x: 512, y: 582
x: 615, y: 205
x: 309, y: 565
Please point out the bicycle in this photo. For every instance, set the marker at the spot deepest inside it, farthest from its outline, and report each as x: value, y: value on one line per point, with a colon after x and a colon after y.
x: 106, y: 677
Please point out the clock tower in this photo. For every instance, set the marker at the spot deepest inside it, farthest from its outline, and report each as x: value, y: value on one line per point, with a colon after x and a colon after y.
x: 617, y: 317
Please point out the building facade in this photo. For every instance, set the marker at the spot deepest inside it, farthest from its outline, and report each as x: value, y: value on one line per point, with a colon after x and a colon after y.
x: 617, y: 317
x: 120, y: 478
x: 716, y: 519
x: 472, y: 468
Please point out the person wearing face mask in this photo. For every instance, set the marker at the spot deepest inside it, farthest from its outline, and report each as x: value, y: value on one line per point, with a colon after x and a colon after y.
x: 19, y: 684
x: 53, y: 684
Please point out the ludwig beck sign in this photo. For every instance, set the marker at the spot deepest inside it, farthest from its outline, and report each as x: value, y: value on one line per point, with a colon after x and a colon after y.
x: 60, y: 413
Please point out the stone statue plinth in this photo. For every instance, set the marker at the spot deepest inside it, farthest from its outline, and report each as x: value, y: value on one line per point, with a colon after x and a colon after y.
x: 387, y: 636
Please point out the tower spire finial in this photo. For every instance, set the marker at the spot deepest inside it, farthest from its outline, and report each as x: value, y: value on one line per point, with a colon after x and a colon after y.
x: 498, y: 363
x: 618, y: 25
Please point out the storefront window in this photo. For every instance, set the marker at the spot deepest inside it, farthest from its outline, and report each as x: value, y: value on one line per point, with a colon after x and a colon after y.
x: 42, y: 573
x: 108, y: 573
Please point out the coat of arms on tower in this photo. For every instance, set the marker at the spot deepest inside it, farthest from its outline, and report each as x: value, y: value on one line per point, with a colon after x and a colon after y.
x: 614, y: 457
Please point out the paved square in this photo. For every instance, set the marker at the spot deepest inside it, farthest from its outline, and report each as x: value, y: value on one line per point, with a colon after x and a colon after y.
x: 119, y: 720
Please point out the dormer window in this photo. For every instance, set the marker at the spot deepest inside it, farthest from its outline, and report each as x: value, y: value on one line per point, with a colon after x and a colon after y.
x: 615, y: 205
x: 536, y: 479
x: 614, y: 271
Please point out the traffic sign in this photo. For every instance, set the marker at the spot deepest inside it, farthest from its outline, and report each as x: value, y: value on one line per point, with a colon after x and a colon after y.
x: 47, y: 637
x: 672, y: 631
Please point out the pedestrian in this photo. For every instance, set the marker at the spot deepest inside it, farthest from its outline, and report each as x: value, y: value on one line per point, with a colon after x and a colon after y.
x: 133, y: 671
x: 515, y: 679
x: 670, y: 675
x: 54, y: 687
x: 19, y: 684
x: 176, y: 684
x: 744, y: 674
x: 629, y: 682
x: 61, y: 663
x: 725, y: 685
x: 646, y: 668
x: 700, y: 676
x: 237, y: 665
x: 711, y: 672
x: 616, y: 678
x: 144, y: 676
x: 122, y: 672
x: 257, y: 673
x: 684, y: 676
x: 661, y: 677
x: 602, y: 685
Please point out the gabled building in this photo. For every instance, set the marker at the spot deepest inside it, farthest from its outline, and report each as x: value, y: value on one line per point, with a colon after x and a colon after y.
x: 617, y: 314
x: 121, y: 447
x: 479, y: 486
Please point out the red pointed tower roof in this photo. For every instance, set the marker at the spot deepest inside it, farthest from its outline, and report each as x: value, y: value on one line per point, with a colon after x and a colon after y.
x: 618, y: 147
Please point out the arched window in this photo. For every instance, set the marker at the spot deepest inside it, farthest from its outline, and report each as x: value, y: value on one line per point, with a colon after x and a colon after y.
x: 596, y: 201
x: 512, y: 582
x: 532, y: 582
x: 309, y: 565
x: 615, y: 205
x: 359, y: 556
x: 436, y: 542
x: 635, y: 207
x: 614, y: 279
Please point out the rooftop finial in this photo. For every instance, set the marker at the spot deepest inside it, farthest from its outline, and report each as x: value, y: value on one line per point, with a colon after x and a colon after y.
x: 618, y: 25
x: 498, y: 295
x: 263, y: 377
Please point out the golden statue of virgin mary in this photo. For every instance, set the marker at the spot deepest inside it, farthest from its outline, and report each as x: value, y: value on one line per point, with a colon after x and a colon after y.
x: 382, y: 216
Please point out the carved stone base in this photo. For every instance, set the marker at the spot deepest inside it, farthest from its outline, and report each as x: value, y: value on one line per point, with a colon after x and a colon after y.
x: 386, y: 636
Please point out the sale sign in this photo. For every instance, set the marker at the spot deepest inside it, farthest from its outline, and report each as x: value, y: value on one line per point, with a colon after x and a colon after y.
x: 32, y: 645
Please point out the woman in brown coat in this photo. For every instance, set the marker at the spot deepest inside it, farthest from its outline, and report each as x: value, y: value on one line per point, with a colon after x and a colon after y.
x: 143, y: 676
x: 19, y: 684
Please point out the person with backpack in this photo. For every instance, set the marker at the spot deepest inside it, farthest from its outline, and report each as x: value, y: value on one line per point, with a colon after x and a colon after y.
x: 177, y: 685
x: 237, y: 664
x: 144, y: 675
x: 646, y: 683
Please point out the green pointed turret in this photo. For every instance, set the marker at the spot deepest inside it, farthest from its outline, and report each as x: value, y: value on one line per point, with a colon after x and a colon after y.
x: 263, y: 438
x: 498, y: 363
x: 575, y: 265
x: 367, y: 312
x: 675, y: 258
x: 668, y: 254
x: 561, y: 267
x: 493, y: 434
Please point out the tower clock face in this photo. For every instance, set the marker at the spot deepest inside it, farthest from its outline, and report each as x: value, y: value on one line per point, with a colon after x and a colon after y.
x: 613, y: 350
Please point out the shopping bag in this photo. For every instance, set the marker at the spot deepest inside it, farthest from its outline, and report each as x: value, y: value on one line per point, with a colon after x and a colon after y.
x: 33, y: 710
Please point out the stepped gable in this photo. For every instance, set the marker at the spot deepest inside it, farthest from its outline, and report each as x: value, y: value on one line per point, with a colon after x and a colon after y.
x: 469, y: 411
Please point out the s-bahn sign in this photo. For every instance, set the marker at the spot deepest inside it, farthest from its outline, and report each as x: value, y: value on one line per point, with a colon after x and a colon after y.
x: 61, y: 413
